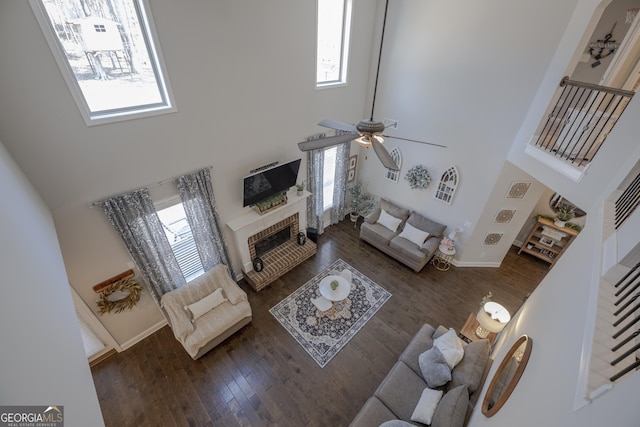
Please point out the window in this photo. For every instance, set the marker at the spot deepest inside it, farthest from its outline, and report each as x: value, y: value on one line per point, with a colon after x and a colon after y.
x: 106, y: 53
x: 178, y: 232
x: 334, y: 26
x: 328, y: 177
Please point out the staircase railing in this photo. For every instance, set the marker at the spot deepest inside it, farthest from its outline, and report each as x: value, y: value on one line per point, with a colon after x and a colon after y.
x: 580, y: 121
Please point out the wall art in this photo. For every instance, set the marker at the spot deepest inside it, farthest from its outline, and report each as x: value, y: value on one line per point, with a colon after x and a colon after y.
x: 518, y: 190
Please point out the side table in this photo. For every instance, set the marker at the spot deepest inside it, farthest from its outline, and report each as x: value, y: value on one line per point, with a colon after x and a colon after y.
x: 442, y: 258
x: 468, y: 331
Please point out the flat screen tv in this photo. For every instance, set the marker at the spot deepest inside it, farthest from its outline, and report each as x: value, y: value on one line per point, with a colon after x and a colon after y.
x: 270, y: 182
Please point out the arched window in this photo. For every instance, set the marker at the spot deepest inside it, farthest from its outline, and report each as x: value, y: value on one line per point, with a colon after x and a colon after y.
x: 447, y: 185
x: 391, y: 174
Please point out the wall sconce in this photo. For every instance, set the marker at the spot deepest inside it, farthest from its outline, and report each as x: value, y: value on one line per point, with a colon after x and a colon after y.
x: 492, y: 317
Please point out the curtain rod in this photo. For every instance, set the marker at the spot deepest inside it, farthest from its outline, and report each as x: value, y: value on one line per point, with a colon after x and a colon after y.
x: 152, y: 185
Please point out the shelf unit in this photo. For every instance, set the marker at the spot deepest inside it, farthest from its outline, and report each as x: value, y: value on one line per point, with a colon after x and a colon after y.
x: 547, y: 241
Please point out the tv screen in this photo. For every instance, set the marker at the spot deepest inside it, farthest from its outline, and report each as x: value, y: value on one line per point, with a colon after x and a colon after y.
x: 271, y: 182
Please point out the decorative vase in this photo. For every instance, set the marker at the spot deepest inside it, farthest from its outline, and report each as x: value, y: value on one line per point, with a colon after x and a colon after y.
x: 559, y: 222
x: 302, y: 238
x: 258, y: 265
x: 299, y: 192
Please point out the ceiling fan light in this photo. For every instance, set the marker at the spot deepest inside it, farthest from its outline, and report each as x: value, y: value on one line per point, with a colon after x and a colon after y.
x: 365, y: 140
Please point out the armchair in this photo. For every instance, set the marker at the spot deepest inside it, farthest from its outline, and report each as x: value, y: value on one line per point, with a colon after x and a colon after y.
x: 201, y: 316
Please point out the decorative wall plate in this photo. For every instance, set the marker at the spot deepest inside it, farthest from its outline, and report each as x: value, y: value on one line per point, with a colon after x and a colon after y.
x: 492, y: 239
x: 504, y: 216
x: 518, y: 190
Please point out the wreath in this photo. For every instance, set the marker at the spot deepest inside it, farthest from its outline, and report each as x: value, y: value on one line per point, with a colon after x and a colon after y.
x: 418, y: 177
x: 125, y: 286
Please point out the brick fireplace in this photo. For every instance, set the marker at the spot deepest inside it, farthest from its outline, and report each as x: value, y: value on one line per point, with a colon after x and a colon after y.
x: 269, y: 231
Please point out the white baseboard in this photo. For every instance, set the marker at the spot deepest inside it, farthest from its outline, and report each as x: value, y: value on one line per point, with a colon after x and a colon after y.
x: 142, y: 335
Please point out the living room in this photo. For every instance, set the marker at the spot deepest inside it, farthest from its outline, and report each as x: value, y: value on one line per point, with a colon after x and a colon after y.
x: 247, y: 97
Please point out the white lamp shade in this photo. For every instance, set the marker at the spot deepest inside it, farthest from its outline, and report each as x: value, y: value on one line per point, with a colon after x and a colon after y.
x: 493, y: 317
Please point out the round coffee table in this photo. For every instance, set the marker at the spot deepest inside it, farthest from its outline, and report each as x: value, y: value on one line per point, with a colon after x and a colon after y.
x: 338, y: 294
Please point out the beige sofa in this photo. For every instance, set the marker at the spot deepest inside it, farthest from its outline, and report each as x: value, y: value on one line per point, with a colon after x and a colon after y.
x: 397, y: 397
x: 393, y: 243
x: 201, y: 320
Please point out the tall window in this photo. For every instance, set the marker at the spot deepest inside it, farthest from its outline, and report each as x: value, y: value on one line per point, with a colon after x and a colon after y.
x: 328, y: 175
x: 176, y: 227
x: 334, y: 27
x: 106, y: 53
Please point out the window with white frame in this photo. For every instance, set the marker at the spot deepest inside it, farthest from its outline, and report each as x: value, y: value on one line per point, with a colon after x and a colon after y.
x: 328, y: 176
x: 178, y: 232
x: 107, y: 54
x: 332, y: 49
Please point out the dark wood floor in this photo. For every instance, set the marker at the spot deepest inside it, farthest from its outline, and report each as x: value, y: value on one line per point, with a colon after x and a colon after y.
x: 261, y: 376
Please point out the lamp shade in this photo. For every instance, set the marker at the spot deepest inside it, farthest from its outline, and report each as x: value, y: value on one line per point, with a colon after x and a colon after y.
x: 493, y: 317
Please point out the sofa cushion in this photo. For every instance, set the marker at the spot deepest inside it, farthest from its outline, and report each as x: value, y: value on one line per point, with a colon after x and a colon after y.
x: 451, y: 347
x: 434, y: 367
x: 421, y: 342
x: 413, y: 234
x: 376, y: 233
x: 407, y: 249
x: 373, y: 413
x: 452, y: 409
x: 471, y: 368
x: 426, y: 405
x: 435, y: 229
x: 401, y: 377
x: 394, y: 210
x: 389, y: 221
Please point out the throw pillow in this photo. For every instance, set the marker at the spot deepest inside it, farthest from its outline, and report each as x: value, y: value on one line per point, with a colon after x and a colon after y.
x: 389, y: 221
x: 451, y: 347
x: 470, y: 369
x: 396, y: 423
x: 434, y: 367
x: 413, y: 234
x: 206, y: 304
x: 426, y: 406
x: 452, y: 409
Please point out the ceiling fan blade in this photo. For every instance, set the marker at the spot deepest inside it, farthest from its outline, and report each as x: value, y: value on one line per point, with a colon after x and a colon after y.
x: 414, y: 140
x: 316, y: 144
x: 332, y: 124
x: 383, y: 155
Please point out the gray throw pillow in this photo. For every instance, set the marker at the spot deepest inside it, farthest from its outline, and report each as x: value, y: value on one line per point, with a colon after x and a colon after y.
x: 435, y: 370
x: 452, y: 409
x: 471, y: 368
x: 396, y: 423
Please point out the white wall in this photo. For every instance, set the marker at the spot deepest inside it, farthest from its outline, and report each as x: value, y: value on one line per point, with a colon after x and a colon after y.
x: 455, y: 74
x: 43, y: 358
x: 243, y: 77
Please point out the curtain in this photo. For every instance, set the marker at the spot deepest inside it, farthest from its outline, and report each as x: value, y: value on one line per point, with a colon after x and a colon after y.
x: 199, y: 204
x: 135, y: 219
x: 315, y: 171
x: 315, y: 203
x: 338, y: 209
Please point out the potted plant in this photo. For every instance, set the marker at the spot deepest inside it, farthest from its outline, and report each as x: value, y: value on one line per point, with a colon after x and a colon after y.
x: 564, y: 213
x: 361, y: 200
x: 300, y: 188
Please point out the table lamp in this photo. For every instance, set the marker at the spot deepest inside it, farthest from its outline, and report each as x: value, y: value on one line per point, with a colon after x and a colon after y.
x: 492, y: 317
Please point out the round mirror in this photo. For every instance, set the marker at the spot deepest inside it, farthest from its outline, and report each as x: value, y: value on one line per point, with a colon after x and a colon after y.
x: 507, y: 376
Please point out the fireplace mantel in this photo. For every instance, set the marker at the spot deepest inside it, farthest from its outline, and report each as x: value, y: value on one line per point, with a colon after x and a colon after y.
x: 252, y: 223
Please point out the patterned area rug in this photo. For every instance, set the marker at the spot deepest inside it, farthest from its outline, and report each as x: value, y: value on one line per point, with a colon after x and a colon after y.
x: 325, y: 338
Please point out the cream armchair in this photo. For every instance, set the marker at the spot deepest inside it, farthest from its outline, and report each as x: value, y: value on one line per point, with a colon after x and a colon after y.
x: 206, y: 311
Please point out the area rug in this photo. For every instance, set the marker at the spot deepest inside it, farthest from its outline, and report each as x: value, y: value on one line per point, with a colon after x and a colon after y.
x: 325, y: 338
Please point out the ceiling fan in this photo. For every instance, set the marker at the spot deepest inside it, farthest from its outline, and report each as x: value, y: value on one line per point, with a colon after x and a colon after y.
x: 367, y: 132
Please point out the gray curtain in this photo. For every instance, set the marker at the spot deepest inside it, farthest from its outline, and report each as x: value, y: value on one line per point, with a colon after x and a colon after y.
x: 338, y: 209
x: 315, y: 203
x: 135, y: 219
x: 199, y: 204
